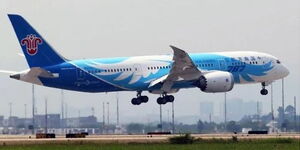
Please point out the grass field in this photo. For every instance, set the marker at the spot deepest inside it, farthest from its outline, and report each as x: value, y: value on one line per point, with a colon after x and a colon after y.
x: 264, y: 144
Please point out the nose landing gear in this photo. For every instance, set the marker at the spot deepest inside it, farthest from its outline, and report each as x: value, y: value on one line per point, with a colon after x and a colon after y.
x: 263, y: 91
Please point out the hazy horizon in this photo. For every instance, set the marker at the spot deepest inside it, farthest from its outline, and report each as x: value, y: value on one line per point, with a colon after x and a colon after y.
x: 115, y: 28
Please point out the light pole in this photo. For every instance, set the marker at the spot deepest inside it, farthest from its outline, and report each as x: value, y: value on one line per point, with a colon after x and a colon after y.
x: 46, y: 117
x: 295, y: 113
x: 25, y: 118
x: 10, y: 109
x: 107, y: 113
x: 225, y: 110
x: 65, y: 122
x: 25, y: 111
x: 117, y: 96
x: 160, y: 118
x: 103, y: 117
x: 10, y: 113
x: 283, y: 116
x: 257, y: 111
x: 107, y: 117
x: 62, y: 109
x: 66, y: 111
x: 173, y: 122
x: 93, y: 111
x: 272, y: 108
x: 33, y: 109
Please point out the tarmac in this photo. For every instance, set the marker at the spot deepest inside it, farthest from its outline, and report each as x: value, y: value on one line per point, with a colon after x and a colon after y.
x: 31, y: 140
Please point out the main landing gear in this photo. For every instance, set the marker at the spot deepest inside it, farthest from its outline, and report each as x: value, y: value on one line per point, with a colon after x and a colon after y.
x: 144, y: 99
x: 139, y: 99
x: 165, y: 99
x: 263, y: 91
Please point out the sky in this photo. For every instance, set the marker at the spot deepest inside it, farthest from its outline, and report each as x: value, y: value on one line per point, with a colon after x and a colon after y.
x: 97, y: 29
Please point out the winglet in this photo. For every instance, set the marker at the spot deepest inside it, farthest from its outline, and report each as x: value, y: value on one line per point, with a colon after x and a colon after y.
x: 178, y: 52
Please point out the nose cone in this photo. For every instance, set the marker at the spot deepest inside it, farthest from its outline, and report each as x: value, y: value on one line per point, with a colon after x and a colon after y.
x: 284, y: 71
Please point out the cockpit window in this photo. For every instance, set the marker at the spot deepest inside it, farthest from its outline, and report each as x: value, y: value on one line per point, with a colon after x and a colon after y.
x: 278, y: 62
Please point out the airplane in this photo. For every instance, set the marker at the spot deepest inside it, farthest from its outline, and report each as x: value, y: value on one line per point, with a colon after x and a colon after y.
x: 157, y: 74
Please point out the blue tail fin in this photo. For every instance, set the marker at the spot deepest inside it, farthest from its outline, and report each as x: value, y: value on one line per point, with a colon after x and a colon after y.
x: 37, y: 51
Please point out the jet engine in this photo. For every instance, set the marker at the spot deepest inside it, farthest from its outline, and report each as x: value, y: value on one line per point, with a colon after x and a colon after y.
x: 216, y: 81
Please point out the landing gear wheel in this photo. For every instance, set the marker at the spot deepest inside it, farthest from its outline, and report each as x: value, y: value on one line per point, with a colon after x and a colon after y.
x: 136, y: 101
x: 161, y: 101
x: 164, y: 100
x: 169, y: 98
x: 139, y: 99
x: 144, y: 99
x: 264, y: 92
x: 133, y: 101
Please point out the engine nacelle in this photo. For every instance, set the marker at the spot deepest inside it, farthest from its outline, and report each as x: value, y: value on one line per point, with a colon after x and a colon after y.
x: 216, y: 81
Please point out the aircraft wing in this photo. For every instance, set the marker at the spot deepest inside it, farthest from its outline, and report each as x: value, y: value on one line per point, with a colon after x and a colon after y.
x: 183, y: 69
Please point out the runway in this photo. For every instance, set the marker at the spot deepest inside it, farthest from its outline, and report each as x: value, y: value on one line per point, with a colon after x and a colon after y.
x: 30, y: 140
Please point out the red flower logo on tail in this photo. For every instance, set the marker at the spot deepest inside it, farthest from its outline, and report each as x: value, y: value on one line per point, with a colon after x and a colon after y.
x: 31, y: 42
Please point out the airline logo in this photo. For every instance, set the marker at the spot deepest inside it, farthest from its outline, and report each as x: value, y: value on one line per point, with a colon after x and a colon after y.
x: 31, y: 42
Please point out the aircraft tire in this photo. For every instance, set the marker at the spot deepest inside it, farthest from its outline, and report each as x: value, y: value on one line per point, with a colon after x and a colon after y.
x: 144, y: 99
x: 264, y: 92
x: 136, y: 101
x: 161, y: 101
x: 170, y: 98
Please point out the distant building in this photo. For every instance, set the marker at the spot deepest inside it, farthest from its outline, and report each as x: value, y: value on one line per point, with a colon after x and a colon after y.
x: 206, y: 110
x: 1, y: 121
x: 23, y: 123
x: 88, y: 122
x: 71, y: 122
x: 237, y: 108
x: 81, y: 122
x: 53, y: 121
x: 12, y: 121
